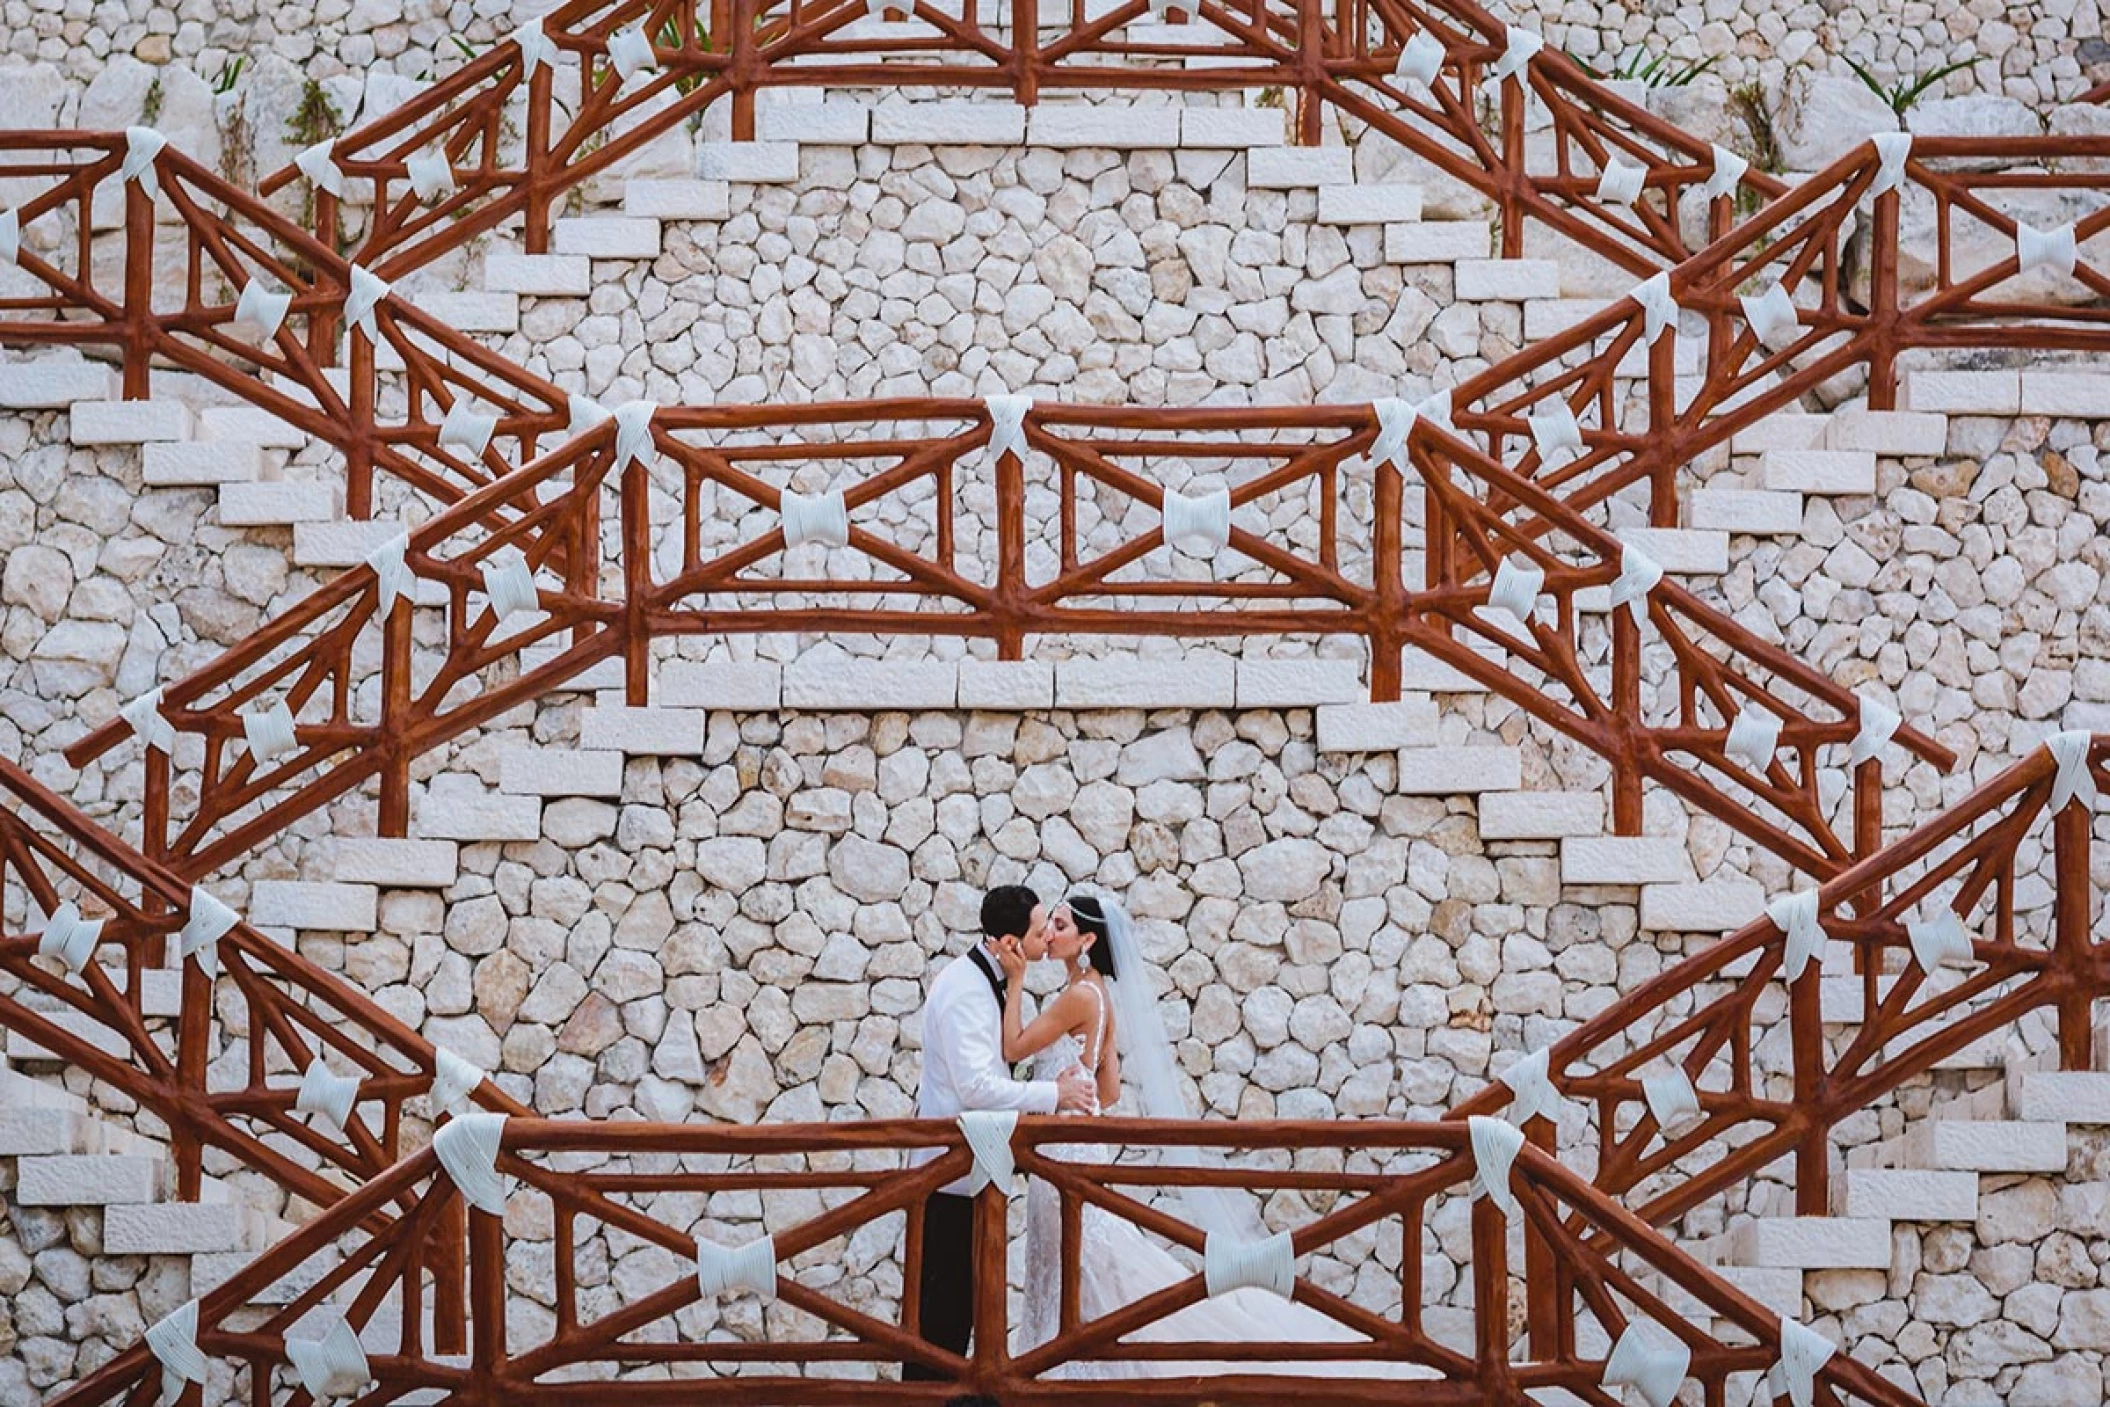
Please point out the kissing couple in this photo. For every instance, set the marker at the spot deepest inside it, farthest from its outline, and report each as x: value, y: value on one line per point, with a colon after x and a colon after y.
x: 1103, y: 1025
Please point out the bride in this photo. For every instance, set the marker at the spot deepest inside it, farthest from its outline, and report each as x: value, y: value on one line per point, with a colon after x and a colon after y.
x: 1105, y: 1012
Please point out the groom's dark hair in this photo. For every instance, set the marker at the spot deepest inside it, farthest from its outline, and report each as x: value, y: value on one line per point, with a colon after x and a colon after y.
x: 1007, y: 911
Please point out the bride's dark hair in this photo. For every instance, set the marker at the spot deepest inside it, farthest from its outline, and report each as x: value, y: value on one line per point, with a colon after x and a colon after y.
x: 1091, y: 918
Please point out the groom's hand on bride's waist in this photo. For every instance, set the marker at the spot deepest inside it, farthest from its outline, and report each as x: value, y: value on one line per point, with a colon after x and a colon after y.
x: 1076, y: 1091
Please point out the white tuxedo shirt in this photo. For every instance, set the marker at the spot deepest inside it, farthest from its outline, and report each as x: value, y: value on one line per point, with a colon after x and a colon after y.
x: 963, y: 1054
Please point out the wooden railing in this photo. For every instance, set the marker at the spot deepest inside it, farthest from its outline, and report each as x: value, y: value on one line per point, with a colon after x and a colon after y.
x: 813, y: 1320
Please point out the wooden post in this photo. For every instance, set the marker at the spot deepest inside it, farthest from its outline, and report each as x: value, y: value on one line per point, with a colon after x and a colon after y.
x: 2071, y: 837
x: 1626, y: 708
x: 139, y: 290
x: 637, y: 581
x: 540, y: 197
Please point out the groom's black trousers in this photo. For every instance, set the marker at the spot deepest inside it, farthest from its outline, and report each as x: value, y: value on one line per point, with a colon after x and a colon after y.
x: 946, y: 1279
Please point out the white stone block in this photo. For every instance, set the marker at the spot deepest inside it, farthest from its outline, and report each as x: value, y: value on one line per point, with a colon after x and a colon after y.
x: 1625, y: 859
x: 1814, y: 1243
x: 276, y: 503
x: 1292, y: 168
x: 1000, y: 685
x: 816, y: 124
x: 678, y: 200
x: 456, y: 808
x: 251, y: 425
x: 1195, y: 681
x: 389, y: 862
x: 1218, y: 128
x: 173, y: 1228
x: 756, y: 687
x: 2081, y: 394
x: 1711, y: 906
x: 1507, y: 280
x: 1693, y: 551
x: 54, y: 385
x: 1911, y: 1194
x: 870, y: 686
x: 1358, y: 204
x: 949, y: 124
x: 1783, y: 430
x: 1458, y: 771
x: 608, y: 237
x: 539, y: 275
x: 1818, y: 471
x: 1965, y: 392
x: 317, y: 904
x: 86, y: 1029
x: 1540, y: 815
x: 87, y: 1180
x: 643, y: 732
x: 1554, y: 316
x: 1775, y: 1289
x: 188, y: 462
x: 26, y: 1130
x: 551, y: 771
x: 1299, y: 683
x: 1072, y: 125
x: 345, y: 543
x: 1422, y: 673
x: 1377, y: 727
x: 1745, y: 510
x: 601, y: 674
x: 1897, y: 433
x: 750, y: 163
x: 1987, y: 1145
x: 473, y: 311
x: 2063, y: 1096
x: 128, y: 422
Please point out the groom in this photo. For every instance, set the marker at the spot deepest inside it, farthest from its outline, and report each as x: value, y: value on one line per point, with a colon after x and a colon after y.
x: 963, y: 1068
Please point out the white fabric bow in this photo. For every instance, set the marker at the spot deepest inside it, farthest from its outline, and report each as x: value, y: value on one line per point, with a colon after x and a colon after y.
x: 1729, y: 169
x: 536, y: 47
x: 1522, y: 47
x: 1938, y: 940
x: 1229, y: 1263
x: 814, y: 517
x: 586, y: 413
x: 1659, y: 311
x: 326, y: 1094
x: 321, y: 168
x: 1753, y: 735
x: 332, y: 1366
x: 431, y: 177
x: 1771, y: 315
x: 1420, y: 59
x: 1495, y: 1145
x: 1555, y: 433
x: 453, y: 1081
x: 1198, y: 526
x: 263, y: 307
x: 1892, y: 148
x: 1007, y: 424
x: 749, y: 1267
x: 174, y: 1341
x: 144, y: 717
x: 368, y: 289
x: 630, y: 51
x: 989, y: 1136
x: 510, y: 585
x: 1802, y: 1352
x: 208, y: 922
x: 633, y: 434
x: 1532, y: 1087
x: 142, y: 145
x: 1796, y: 916
x: 69, y: 937
x: 2045, y: 249
x: 1395, y: 424
x: 270, y: 732
x: 10, y: 237
x: 1516, y: 589
x: 1436, y: 409
x: 2073, y: 781
x: 467, y: 1147
x: 1638, y: 575
x: 391, y: 571
x: 470, y: 429
x: 1670, y: 1097
x: 1619, y: 183
x: 1650, y: 1363
x: 1878, y: 726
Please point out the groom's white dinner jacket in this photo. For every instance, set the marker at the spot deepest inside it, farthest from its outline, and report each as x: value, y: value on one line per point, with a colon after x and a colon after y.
x: 963, y: 1052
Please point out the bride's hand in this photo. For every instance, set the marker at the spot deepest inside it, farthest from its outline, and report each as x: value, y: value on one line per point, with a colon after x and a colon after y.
x: 1012, y: 958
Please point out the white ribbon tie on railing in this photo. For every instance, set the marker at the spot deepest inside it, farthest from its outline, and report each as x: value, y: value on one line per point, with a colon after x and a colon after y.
x: 142, y: 146
x: 1521, y: 48
x: 368, y: 289
x: 2073, y: 781
x: 1620, y: 184
x: 1436, y: 409
x: 1233, y: 1263
x: 1495, y: 1144
x: 1772, y: 316
x: 2054, y: 250
x: 510, y: 585
x: 1729, y: 169
x: 1649, y: 1361
x: 989, y: 1137
x: 327, y: 1095
x: 1802, y: 1352
x: 469, y: 429
x: 467, y: 1147
x: 173, y: 1340
x: 1638, y: 575
x: 814, y: 517
x: 1879, y: 724
x: 431, y: 177
x: 263, y: 307
x: 144, y: 717
x: 1555, y: 433
x: 630, y: 51
x: 69, y: 938
x: 1659, y: 311
x: 749, y: 1267
x: 453, y: 1081
x: 1670, y: 1097
x: 1395, y: 425
x: 1420, y: 60
x: 1532, y: 1087
x: 207, y: 923
x: 586, y: 414
x: 321, y: 168
x: 1517, y: 587
x: 1754, y: 734
x: 633, y: 434
x: 1795, y: 915
x: 1938, y: 940
x: 1892, y: 148
x: 391, y: 572
x: 1199, y: 526
x: 10, y: 237
x: 1007, y: 424
x: 269, y: 732
x: 536, y: 47
x: 332, y: 1366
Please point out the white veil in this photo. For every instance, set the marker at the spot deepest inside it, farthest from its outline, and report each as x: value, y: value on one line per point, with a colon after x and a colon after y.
x: 1147, y: 1062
